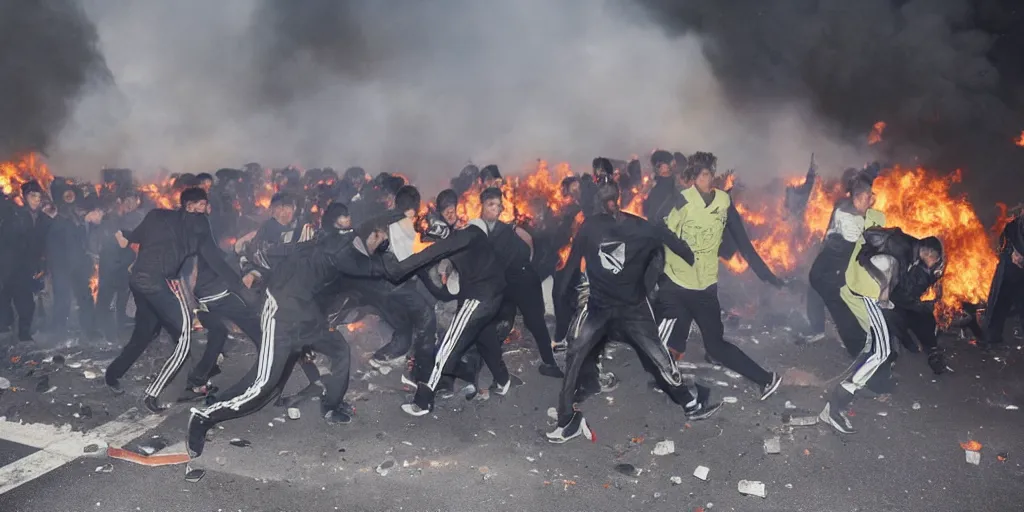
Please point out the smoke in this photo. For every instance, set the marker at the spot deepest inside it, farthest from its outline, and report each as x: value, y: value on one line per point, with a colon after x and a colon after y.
x: 945, y: 75
x: 47, y: 55
x: 417, y: 87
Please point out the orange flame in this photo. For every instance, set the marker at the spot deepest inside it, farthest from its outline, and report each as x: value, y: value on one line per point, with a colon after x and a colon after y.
x: 876, y: 133
x: 1020, y: 140
x: 94, y: 281
x: 21, y: 170
x: 356, y: 326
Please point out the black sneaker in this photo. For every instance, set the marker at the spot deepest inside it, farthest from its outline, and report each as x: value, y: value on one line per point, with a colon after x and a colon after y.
x: 115, y: 387
x: 198, y: 426
x: 381, y: 361
x: 836, y: 419
x: 559, y: 346
x: 414, y: 410
x: 502, y: 390
x: 551, y: 370
x: 153, y: 404
x: 338, y: 416
x: 576, y: 427
x: 704, y: 409
x: 937, y: 362
x: 769, y: 389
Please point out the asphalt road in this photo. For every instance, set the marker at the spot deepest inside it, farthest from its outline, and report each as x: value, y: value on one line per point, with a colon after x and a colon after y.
x: 491, y: 455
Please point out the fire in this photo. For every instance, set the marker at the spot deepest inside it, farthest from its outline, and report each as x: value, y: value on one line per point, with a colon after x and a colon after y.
x: 563, y: 253
x: 21, y: 170
x: 540, y: 185
x: 94, y: 281
x: 161, y: 194
x: 876, y: 133
x: 355, y: 326
x: 1020, y: 140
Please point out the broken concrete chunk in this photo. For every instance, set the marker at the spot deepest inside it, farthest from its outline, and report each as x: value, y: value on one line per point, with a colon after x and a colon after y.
x: 384, y: 370
x: 106, y: 468
x: 752, y: 488
x: 800, y: 421
x: 730, y: 399
x: 664, y: 448
x: 772, y: 445
x: 676, y: 480
x: 385, y: 466
x: 916, y: 406
x: 973, y: 457
x: 701, y: 472
x: 241, y: 443
x: 294, y: 413
x: 89, y: 375
x: 4, y: 384
x: 789, y: 405
x: 552, y: 413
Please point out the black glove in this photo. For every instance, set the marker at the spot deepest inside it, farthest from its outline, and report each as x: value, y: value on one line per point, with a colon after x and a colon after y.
x: 438, y: 229
x: 688, y: 256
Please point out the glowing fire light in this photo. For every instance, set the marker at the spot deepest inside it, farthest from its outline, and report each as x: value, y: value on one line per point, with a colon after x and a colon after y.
x: 355, y: 326
x: 21, y: 170
x: 1020, y: 140
x: 94, y: 282
x: 876, y: 133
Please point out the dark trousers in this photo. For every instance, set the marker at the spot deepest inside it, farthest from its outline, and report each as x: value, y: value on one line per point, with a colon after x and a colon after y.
x: 411, y: 316
x: 680, y: 306
x: 634, y: 325
x: 113, y: 289
x: 904, y: 322
x: 18, y: 290
x: 524, y: 293
x: 827, y: 276
x: 282, y: 343
x: 473, y: 323
x: 1011, y: 297
x: 71, y: 284
x: 166, y: 309
x: 565, y: 306
x: 218, y: 312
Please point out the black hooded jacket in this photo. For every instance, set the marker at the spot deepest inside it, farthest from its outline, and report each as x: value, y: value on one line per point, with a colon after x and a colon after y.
x: 481, y: 275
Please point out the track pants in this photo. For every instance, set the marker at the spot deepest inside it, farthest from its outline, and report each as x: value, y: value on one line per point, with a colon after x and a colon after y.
x: 903, y: 322
x: 524, y: 293
x: 854, y: 334
x: 879, y: 357
x: 19, y: 291
x: 165, y: 309
x: 827, y: 278
x: 282, y: 343
x: 411, y: 316
x: 113, y: 288
x: 473, y: 323
x: 1011, y: 295
x: 636, y: 326
x: 680, y: 306
x: 220, y: 309
x: 564, y: 306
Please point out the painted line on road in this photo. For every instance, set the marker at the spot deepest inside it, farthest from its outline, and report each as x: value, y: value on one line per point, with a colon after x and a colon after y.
x: 59, y: 445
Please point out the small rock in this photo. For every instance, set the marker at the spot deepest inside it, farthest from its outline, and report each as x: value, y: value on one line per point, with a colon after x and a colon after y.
x: 74, y: 365
x: 4, y: 384
x: 730, y: 399
x: 883, y: 413
x: 91, y: 448
x: 552, y: 413
x: 880, y: 457
x: 664, y: 448
x: 772, y: 445
x: 676, y: 480
x: 106, y: 468
x: 789, y: 486
x: 385, y: 466
x: 701, y: 472
x: 627, y: 469
x: 752, y: 488
x: 89, y: 375
x: 789, y: 405
x: 241, y: 443
x: 384, y: 370
x: 973, y: 457
x: 1011, y: 407
x: 732, y: 375
x: 916, y: 406
x: 294, y: 413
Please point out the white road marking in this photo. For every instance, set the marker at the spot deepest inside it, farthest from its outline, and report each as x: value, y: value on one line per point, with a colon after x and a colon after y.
x: 59, y: 445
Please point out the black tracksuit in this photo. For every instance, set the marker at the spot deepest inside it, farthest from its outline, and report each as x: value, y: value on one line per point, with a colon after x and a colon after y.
x: 292, y: 321
x: 167, y: 238
x: 113, y: 275
x: 913, y: 315
x: 478, y: 283
x: 1007, y: 290
x: 618, y: 250
x: 70, y: 268
x: 22, y: 245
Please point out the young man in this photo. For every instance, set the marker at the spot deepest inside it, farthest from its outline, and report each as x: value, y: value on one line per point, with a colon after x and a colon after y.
x: 114, y: 263
x: 689, y: 291
x: 883, y: 261
x: 828, y: 272
x: 618, y: 248
x: 71, y: 265
x: 910, y: 314
x: 24, y: 241
x: 167, y: 238
x: 1007, y: 290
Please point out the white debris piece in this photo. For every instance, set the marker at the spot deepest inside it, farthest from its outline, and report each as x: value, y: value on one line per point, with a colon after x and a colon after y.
x: 701, y: 472
x: 916, y: 406
x: 74, y: 365
x: 676, y: 480
x: 722, y: 383
x: 552, y: 413
x: 732, y: 375
x: 89, y: 375
x: 973, y: 457
x: 730, y: 399
x: 664, y: 448
x: 789, y: 405
x: 772, y: 445
x: 294, y: 413
x: 1011, y: 407
x: 883, y: 413
x: 384, y: 370
x: 752, y: 488
x: 4, y: 383
x: 803, y: 421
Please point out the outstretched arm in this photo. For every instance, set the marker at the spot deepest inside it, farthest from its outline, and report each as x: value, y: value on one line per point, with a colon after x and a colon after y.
x: 735, y: 230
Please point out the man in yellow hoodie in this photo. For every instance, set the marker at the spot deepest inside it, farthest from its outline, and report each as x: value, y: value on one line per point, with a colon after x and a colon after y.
x: 690, y: 291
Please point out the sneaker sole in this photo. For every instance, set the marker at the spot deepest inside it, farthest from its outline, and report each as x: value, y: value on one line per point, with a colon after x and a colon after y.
x: 421, y: 412
x: 584, y: 431
x: 706, y: 413
x: 771, y: 391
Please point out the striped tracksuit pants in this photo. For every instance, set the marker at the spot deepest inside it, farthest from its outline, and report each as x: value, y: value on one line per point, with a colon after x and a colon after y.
x: 881, y: 352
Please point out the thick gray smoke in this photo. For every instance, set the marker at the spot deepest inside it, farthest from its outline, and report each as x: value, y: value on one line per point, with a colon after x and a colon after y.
x: 47, y: 55
x: 416, y: 87
x: 946, y: 75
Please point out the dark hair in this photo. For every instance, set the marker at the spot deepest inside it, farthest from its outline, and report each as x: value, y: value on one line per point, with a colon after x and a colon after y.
x: 602, y: 164
x: 489, y: 172
x: 355, y: 173
x: 699, y: 161
x: 859, y: 185
x: 192, y: 195
x: 489, y: 193
x: 31, y: 186
x: 391, y: 184
x: 203, y: 176
x: 284, y: 199
x: 567, y: 183
x: 378, y: 223
x: 661, y: 157
x: 606, y: 191
x: 446, y: 198
x: 679, y: 158
x: 407, y: 198
x: 931, y: 243
x: 332, y: 213
x: 186, y: 180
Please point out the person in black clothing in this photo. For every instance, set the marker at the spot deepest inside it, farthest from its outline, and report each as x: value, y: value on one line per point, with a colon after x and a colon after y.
x: 910, y: 314
x: 467, y: 177
x: 23, y: 243
x: 114, y: 263
x: 661, y: 198
x: 490, y: 177
x: 292, y: 321
x: 618, y: 248
x: 473, y: 275
x: 167, y: 238
x: 351, y: 184
x: 513, y: 246
x: 71, y: 265
x: 1007, y: 290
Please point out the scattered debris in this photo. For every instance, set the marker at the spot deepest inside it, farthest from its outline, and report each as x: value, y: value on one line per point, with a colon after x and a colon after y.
x: 106, y: 468
x: 280, y: 419
x: 384, y: 370
x: 89, y: 375
x: 789, y: 486
x: 153, y: 445
x: 772, y: 445
x: 294, y: 413
x: 1002, y: 457
x: 74, y: 365
x: 722, y: 383
x: 637, y: 440
x: 806, y: 451
x: 789, y: 405
x: 552, y: 413
x: 627, y: 469
x: 385, y: 466
x: 701, y: 472
x: 193, y: 475
x: 407, y: 443
x: 882, y: 413
x: 241, y: 443
x: 676, y: 480
x: 1011, y: 407
x: 752, y: 488
x: 916, y: 406
x: 799, y: 421
x: 971, y: 446
x: 4, y: 384
x: 664, y: 448
x: 973, y: 457
x: 91, y: 448
x: 732, y: 375
x: 730, y: 399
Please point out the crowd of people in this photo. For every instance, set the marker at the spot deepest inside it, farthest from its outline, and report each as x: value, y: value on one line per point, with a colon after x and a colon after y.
x: 333, y: 241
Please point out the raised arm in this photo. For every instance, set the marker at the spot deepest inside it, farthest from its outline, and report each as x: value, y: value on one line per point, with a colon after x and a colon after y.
x: 735, y: 230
